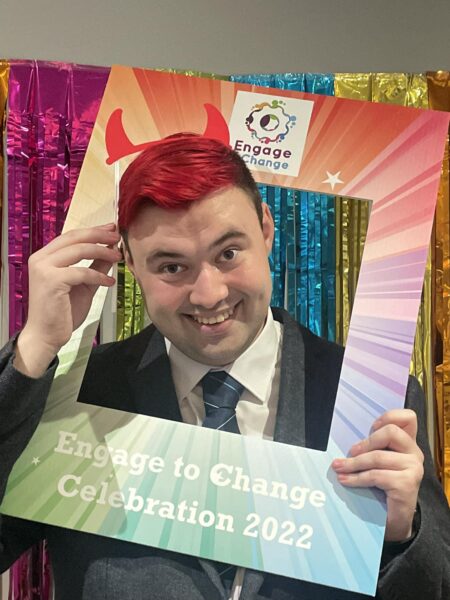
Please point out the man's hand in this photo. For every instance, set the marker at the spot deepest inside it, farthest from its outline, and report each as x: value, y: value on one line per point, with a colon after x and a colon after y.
x: 391, y: 460
x: 60, y: 294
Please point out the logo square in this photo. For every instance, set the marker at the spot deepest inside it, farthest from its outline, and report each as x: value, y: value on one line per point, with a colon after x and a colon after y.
x: 269, y: 132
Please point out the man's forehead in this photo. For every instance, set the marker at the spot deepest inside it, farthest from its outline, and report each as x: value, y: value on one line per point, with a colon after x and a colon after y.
x: 225, y: 210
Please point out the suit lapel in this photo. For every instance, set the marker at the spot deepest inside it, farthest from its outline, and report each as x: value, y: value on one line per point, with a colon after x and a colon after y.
x: 290, y: 422
x: 211, y: 571
x: 152, y: 384
x: 253, y: 581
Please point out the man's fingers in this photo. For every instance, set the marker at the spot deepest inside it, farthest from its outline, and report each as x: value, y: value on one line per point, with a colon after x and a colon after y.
x: 388, y: 459
x: 377, y: 459
x: 106, y: 235
x: 389, y: 437
x: 404, y: 418
x: 102, y: 266
x: 389, y: 481
x: 71, y: 255
x: 74, y: 276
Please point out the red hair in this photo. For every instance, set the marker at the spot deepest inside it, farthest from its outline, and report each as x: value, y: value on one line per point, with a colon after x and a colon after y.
x: 181, y: 169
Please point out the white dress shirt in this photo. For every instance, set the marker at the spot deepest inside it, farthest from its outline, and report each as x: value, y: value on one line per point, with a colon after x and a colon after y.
x: 257, y: 369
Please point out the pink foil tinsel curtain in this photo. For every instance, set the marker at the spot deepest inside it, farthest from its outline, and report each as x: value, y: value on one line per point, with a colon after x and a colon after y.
x: 52, y: 110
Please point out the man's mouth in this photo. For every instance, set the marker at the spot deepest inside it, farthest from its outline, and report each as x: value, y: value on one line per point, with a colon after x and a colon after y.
x: 219, y: 318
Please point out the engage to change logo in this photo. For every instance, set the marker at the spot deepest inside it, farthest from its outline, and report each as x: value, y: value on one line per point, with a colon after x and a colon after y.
x: 269, y: 132
x: 269, y: 121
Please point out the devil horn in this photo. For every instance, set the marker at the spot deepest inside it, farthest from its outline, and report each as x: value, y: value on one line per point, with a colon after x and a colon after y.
x: 118, y: 144
x: 117, y: 141
x: 216, y: 126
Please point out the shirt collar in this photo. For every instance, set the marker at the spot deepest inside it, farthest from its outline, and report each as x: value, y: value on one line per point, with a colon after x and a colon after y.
x: 253, y: 369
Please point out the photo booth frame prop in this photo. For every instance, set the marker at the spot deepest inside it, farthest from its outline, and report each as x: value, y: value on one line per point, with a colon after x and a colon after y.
x: 258, y: 504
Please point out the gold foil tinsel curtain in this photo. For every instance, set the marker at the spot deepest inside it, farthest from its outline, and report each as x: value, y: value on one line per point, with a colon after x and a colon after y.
x: 130, y: 305
x: 439, y: 94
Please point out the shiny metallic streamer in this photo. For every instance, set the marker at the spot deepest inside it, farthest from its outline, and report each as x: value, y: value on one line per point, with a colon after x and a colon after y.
x: 315, y: 239
x: 130, y: 304
x: 351, y: 219
x: 52, y: 109
x: 291, y: 252
x: 351, y: 228
x: 353, y: 86
x: 303, y: 255
x: 314, y: 283
x: 302, y: 260
x: 329, y: 265
x: 389, y: 88
x: 192, y: 73
x: 4, y: 75
x: 404, y: 89
x: 271, y: 196
x: 277, y: 257
x: 439, y: 98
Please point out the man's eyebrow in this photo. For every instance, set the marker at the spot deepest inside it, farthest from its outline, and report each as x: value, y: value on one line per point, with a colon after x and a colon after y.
x: 171, y: 255
x: 163, y: 254
x: 233, y: 234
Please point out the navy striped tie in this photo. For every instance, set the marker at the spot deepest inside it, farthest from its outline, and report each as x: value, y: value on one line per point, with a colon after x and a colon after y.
x: 221, y: 393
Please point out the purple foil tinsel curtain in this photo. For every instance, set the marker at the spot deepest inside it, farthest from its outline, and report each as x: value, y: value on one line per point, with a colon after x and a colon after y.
x: 52, y: 110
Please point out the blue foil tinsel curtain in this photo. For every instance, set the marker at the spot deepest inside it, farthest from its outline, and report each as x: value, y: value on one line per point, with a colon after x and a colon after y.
x: 303, y: 255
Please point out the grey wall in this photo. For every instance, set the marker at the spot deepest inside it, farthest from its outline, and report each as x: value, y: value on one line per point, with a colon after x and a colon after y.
x: 231, y: 36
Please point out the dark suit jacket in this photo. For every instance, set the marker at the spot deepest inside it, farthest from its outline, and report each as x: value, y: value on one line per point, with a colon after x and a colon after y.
x: 134, y: 375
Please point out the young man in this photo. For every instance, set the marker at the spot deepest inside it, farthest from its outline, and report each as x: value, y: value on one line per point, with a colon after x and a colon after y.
x: 197, y: 239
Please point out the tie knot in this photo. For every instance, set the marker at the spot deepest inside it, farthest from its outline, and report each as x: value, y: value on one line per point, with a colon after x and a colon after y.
x: 221, y: 393
x: 221, y: 390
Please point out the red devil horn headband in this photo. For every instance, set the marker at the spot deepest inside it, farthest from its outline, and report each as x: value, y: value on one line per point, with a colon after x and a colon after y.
x: 118, y: 144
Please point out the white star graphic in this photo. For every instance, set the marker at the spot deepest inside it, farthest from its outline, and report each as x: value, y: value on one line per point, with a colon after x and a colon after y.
x: 333, y: 179
x: 36, y: 460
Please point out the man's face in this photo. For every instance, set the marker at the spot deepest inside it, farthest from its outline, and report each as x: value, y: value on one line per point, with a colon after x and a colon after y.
x: 204, y: 273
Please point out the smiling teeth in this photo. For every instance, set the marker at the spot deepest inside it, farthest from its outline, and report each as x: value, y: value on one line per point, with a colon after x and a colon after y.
x: 213, y: 320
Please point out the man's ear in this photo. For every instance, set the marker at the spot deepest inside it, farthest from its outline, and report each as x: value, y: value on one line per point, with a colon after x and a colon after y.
x: 268, y: 227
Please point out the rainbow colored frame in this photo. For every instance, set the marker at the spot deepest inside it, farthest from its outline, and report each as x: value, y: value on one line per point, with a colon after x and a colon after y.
x: 387, y: 154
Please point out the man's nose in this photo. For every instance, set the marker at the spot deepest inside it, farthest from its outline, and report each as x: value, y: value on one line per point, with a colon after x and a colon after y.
x: 209, y: 288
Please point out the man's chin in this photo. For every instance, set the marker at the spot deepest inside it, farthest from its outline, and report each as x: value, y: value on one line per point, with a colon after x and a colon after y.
x: 216, y: 360
x: 221, y: 355
x: 215, y: 356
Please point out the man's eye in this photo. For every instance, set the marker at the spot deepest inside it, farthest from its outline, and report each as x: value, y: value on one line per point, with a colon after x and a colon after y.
x: 229, y: 254
x: 172, y: 269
